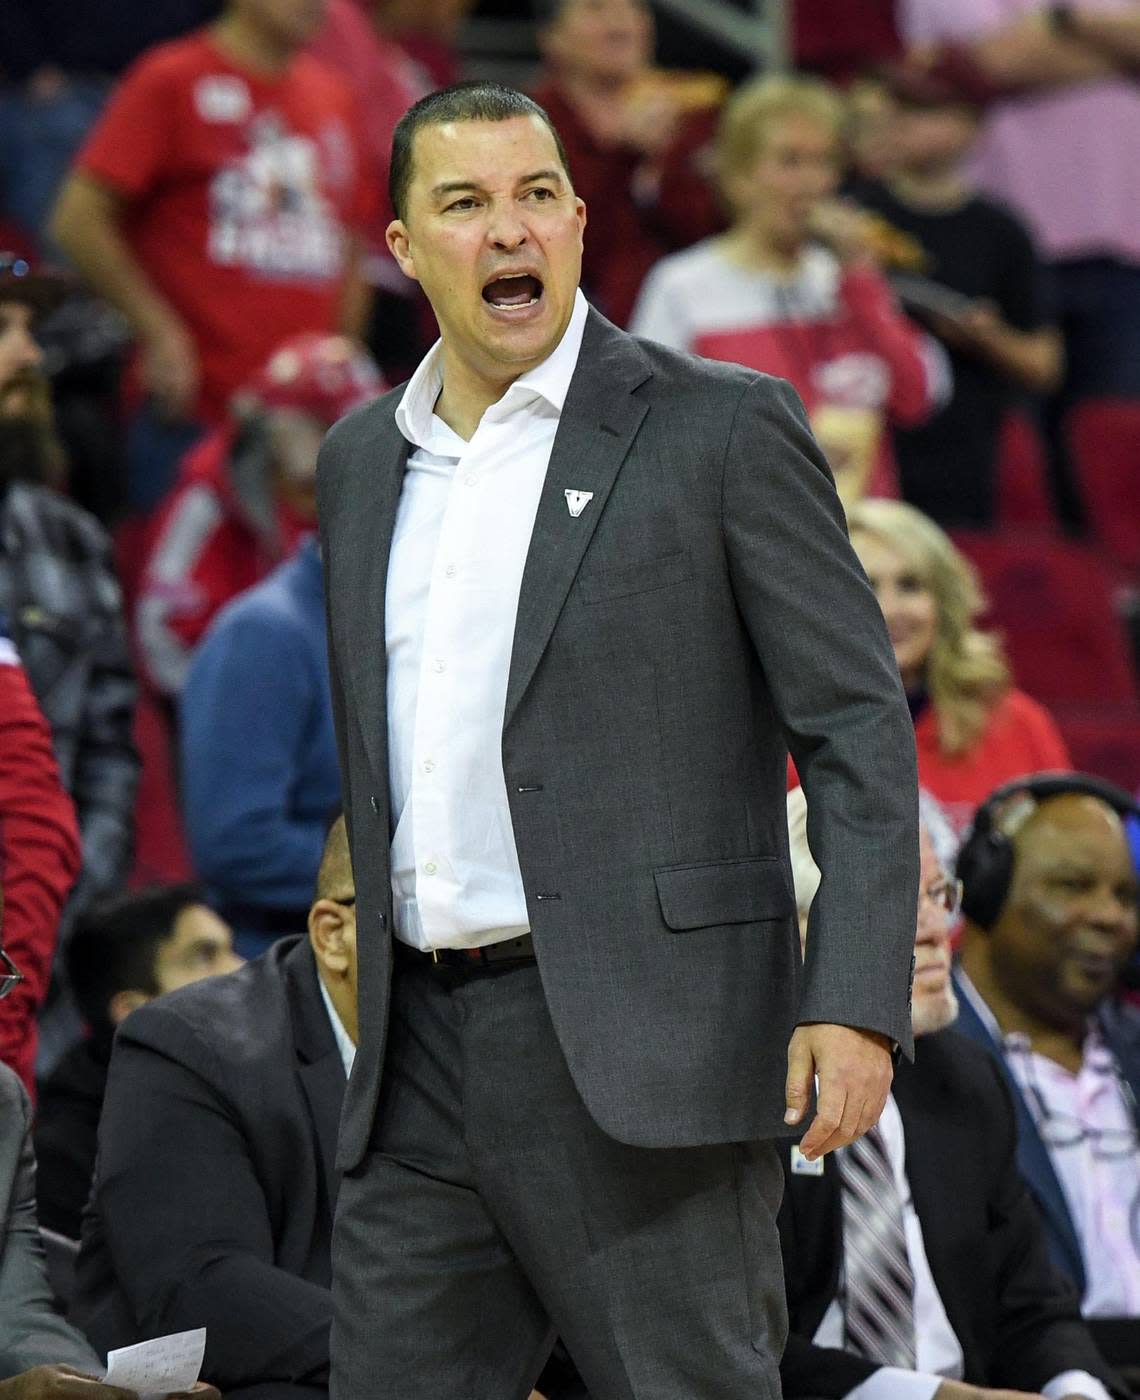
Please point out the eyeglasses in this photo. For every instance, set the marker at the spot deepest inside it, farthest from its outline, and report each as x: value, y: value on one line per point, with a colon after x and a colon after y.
x: 1065, y: 1130
x: 945, y: 895
x: 11, y: 975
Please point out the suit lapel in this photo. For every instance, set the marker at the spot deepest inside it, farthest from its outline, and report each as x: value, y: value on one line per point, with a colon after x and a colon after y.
x: 367, y: 541
x: 319, y: 1066
x: 599, y: 422
x: 1032, y: 1154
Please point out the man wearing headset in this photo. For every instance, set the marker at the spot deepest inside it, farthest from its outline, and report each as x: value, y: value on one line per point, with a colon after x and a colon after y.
x: 1050, y: 907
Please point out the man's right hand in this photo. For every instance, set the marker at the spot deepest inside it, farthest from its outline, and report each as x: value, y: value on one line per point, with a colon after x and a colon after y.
x: 60, y: 1383
x: 66, y: 1383
x: 169, y: 368
x: 959, y: 1390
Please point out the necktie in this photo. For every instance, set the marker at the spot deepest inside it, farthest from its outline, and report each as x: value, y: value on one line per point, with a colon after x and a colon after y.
x: 879, y: 1307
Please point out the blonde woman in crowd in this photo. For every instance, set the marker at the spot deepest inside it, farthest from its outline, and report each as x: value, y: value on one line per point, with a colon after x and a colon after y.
x: 792, y: 288
x: 973, y: 729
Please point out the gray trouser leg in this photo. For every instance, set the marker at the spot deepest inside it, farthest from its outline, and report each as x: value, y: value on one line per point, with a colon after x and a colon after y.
x: 492, y: 1209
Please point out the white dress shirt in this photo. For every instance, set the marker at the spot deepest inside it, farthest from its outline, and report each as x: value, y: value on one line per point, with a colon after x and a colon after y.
x: 1101, y: 1186
x: 345, y: 1048
x: 462, y: 533
x: 937, y: 1350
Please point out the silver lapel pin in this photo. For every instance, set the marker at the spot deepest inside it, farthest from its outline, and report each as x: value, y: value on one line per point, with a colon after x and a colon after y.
x: 577, y: 501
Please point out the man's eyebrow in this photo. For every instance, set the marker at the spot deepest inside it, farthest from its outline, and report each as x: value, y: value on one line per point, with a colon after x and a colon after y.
x: 447, y: 187
x: 452, y: 187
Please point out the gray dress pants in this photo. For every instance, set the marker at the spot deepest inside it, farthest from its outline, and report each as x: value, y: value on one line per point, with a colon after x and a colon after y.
x: 491, y: 1213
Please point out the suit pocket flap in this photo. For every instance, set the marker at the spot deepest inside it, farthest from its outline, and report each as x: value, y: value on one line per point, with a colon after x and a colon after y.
x: 723, y: 892
x: 625, y: 579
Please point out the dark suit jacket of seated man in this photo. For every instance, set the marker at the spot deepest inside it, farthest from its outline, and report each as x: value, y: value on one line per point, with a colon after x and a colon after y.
x: 212, y: 1203
x: 1015, y: 1318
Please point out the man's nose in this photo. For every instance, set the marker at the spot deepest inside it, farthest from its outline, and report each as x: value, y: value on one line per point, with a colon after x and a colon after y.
x: 507, y: 231
x: 31, y: 355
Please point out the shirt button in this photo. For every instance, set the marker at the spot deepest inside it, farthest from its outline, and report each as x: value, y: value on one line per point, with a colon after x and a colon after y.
x: 430, y: 867
x: 451, y: 571
x: 441, y: 665
x: 470, y: 479
x: 429, y: 765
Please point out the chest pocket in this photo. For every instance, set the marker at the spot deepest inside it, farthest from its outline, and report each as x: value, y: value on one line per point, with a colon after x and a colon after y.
x: 599, y: 585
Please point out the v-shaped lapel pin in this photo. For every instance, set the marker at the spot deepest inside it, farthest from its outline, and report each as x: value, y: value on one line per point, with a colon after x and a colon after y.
x: 577, y: 501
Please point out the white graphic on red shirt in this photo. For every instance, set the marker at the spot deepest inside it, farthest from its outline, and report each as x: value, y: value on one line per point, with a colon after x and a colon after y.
x: 268, y: 211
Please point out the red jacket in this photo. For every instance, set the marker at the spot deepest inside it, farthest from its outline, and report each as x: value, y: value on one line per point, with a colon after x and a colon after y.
x: 220, y: 531
x: 1020, y: 737
x: 39, y: 848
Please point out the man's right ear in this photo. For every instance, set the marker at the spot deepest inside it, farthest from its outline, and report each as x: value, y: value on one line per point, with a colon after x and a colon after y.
x: 124, y: 1002
x: 399, y: 245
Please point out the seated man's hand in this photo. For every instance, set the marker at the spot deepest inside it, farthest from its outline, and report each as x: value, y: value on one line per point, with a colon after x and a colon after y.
x: 66, y: 1383
x: 854, y: 1071
x: 60, y: 1383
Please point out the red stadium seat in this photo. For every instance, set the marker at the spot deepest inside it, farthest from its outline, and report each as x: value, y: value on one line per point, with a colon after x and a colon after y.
x: 1104, y: 442
x: 1052, y: 601
x: 1105, y: 745
x: 1022, y: 488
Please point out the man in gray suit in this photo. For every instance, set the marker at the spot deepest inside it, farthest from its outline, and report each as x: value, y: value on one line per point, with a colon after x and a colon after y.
x: 583, y: 594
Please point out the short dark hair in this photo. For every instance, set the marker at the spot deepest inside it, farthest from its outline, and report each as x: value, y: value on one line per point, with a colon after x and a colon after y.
x: 478, y: 100
x: 114, y: 946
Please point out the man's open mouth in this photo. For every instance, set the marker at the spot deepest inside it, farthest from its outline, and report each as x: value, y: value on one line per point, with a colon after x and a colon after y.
x: 518, y: 290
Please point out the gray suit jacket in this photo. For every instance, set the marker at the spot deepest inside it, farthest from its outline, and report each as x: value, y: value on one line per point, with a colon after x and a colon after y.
x: 704, y: 613
x: 31, y: 1332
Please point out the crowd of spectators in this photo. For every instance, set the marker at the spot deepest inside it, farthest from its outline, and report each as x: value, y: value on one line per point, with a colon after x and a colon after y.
x: 931, y: 227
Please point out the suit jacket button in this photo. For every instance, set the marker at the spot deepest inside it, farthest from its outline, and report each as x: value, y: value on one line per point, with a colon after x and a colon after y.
x: 374, y: 804
x: 383, y: 919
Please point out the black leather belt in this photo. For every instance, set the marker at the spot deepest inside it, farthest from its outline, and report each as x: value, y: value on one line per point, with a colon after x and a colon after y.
x: 468, y: 962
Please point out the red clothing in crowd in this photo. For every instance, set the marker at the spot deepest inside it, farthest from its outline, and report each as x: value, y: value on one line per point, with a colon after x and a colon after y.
x: 843, y: 41
x: 241, y: 194
x: 383, y: 81
x: 220, y: 531
x: 1020, y: 737
x: 627, y: 236
x: 39, y: 847
x: 835, y: 332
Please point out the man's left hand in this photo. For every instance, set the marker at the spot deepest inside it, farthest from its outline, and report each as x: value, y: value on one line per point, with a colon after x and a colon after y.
x: 853, y: 1067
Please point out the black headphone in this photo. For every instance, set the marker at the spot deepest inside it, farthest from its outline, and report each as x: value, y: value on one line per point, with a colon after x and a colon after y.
x: 985, y: 862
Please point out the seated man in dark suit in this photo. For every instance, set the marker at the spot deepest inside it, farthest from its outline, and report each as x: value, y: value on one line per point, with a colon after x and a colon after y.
x: 122, y: 953
x: 915, y: 1261
x: 1050, y: 904
x: 213, y: 1195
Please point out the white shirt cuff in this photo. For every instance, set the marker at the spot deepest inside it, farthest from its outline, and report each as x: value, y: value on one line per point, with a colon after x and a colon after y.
x: 1075, y: 1383
x: 892, y: 1383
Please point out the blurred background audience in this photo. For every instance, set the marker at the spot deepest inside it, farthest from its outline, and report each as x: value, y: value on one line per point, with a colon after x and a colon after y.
x: 924, y: 213
x: 245, y: 498
x: 259, y: 771
x: 792, y: 287
x: 123, y: 954
x: 972, y: 729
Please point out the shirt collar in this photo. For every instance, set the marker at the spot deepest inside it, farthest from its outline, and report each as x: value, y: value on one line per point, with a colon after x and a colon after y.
x: 1094, y: 1049
x: 344, y: 1045
x: 550, y: 381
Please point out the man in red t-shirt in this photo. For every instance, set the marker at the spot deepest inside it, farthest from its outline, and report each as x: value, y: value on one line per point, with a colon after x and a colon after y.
x: 219, y: 204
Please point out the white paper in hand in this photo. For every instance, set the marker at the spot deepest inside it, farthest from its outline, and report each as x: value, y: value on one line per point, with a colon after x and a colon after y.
x: 159, y: 1368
